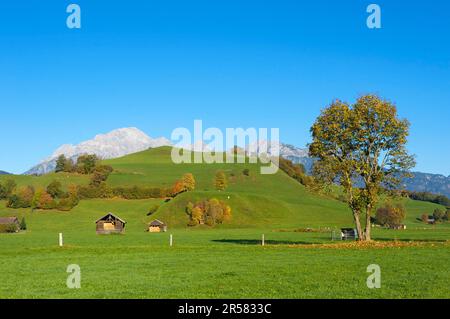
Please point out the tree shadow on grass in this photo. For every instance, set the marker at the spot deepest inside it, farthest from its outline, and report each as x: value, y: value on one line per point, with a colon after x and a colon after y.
x: 259, y: 242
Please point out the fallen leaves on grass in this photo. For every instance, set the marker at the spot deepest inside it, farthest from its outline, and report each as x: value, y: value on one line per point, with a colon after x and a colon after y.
x: 372, y: 244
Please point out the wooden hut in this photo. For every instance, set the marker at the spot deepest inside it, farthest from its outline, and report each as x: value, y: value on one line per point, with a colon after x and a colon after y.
x: 9, y: 224
x: 109, y: 224
x: 157, y: 226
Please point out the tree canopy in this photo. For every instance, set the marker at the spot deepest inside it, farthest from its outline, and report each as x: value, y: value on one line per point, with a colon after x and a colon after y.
x: 365, y: 140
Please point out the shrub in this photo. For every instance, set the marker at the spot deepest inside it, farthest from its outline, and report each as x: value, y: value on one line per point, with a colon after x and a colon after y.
x: 7, y: 188
x: 43, y: 200
x: 297, y: 172
x: 209, y: 212
x: 55, y: 190
x: 221, y: 182
x: 66, y: 204
x: 11, y: 228
x: 100, y: 174
x: 188, y: 182
x: 246, y: 172
x: 86, y: 164
x: 424, y: 218
x: 390, y: 215
x: 438, y: 215
x: 22, y: 198
x: 177, y: 188
x: 137, y: 192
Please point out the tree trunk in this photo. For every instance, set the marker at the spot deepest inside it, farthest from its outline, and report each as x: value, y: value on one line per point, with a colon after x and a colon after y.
x: 358, y: 225
x: 367, y: 232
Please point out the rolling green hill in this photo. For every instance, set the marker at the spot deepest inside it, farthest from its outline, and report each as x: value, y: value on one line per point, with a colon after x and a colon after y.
x: 226, y: 261
x: 268, y: 201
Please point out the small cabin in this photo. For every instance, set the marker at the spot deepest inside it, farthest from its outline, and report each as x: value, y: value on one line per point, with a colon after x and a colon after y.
x: 7, y: 224
x: 349, y: 234
x: 157, y: 226
x: 110, y: 224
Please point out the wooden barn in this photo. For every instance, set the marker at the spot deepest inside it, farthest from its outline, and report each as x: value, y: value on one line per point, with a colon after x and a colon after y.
x: 7, y: 224
x: 157, y: 226
x: 110, y: 224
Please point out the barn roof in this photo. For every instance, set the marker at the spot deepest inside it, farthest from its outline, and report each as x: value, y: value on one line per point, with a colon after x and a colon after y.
x: 8, y: 220
x: 113, y: 216
x: 157, y: 222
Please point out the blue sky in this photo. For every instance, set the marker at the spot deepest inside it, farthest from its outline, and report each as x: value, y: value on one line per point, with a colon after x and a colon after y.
x: 158, y: 65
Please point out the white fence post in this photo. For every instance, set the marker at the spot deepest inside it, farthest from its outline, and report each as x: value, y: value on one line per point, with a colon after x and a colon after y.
x: 171, y: 240
x: 263, y: 240
x: 61, y: 243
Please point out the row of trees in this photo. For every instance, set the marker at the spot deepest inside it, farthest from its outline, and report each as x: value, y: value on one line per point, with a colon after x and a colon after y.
x: 52, y: 197
x: 429, y: 197
x: 210, y: 212
x: 296, y: 171
x: 85, y: 164
x: 439, y: 216
x: 98, y: 188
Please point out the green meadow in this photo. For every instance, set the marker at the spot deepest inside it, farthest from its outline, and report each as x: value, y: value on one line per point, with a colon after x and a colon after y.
x: 226, y: 261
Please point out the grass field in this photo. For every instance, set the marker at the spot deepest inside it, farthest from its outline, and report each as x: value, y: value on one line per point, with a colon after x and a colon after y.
x: 227, y: 261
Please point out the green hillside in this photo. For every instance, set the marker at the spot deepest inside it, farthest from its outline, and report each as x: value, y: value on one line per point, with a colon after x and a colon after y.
x: 226, y: 261
x: 268, y: 201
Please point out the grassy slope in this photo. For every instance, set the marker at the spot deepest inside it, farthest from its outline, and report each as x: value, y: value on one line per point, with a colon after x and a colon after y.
x: 42, y: 181
x: 267, y: 201
x: 222, y: 262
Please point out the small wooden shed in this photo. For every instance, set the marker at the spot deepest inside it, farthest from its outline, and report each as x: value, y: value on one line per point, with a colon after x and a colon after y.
x: 109, y: 224
x: 157, y: 226
x: 7, y: 222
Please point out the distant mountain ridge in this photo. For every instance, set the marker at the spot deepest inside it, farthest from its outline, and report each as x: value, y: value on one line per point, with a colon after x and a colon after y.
x: 420, y: 182
x: 114, y: 144
x: 130, y: 140
x: 4, y: 173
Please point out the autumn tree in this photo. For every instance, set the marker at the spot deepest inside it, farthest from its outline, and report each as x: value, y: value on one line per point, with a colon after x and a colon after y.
x: 87, y: 163
x: 42, y: 200
x: 100, y: 174
x: 21, y: 198
x: 178, y: 188
x: 221, y: 182
x: 188, y: 181
x: 7, y: 188
x: 364, y: 141
x: 424, y: 218
x: 209, y: 212
x: 390, y: 215
x: 55, y: 189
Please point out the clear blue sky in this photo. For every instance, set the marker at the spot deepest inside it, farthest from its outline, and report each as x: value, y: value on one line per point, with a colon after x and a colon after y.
x: 158, y: 65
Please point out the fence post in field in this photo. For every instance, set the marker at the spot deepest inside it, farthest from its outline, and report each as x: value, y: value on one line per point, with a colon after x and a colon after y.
x: 263, y: 242
x: 61, y: 243
x: 171, y: 240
